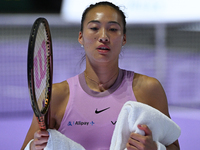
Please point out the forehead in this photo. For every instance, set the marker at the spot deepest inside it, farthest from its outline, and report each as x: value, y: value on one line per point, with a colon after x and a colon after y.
x: 103, y: 13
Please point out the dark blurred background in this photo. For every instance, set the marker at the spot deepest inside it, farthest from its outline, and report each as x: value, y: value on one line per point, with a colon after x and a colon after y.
x: 30, y: 6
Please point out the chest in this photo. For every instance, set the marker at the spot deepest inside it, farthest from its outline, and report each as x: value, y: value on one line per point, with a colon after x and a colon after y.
x: 91, y: 121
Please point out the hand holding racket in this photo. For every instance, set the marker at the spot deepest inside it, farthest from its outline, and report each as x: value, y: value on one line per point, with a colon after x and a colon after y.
x: 40, y: 70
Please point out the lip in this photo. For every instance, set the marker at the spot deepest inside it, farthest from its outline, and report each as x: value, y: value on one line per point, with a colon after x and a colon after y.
x: 103, y: 46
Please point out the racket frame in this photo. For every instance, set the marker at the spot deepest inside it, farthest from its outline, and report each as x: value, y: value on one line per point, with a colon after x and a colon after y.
x: 43, y: 115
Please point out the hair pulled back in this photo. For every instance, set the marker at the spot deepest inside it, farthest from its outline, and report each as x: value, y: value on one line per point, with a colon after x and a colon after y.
x: 104, y: 3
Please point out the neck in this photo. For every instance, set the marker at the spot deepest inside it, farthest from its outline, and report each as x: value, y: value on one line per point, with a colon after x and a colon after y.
x: 100, y: 76
x: 101, y: 81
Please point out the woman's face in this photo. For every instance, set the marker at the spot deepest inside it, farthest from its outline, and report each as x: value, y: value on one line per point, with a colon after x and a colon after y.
x: 102, y: 35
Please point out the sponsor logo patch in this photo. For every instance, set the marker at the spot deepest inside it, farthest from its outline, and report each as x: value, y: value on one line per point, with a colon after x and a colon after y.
x: 80, y: 123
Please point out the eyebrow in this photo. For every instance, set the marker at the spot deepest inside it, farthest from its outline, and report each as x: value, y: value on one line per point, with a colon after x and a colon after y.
x: 110, y: 22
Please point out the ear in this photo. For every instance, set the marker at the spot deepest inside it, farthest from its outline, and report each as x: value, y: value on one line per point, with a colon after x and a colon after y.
x: 80, y: 38
x: 124, y: 40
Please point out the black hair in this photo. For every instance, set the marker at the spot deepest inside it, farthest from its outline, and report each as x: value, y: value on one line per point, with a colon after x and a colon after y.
x: 104, y: 3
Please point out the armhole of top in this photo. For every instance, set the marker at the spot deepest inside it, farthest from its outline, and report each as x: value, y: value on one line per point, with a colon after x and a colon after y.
x: 67, y: 109
x: 70, y: 82
x: 131, y: 75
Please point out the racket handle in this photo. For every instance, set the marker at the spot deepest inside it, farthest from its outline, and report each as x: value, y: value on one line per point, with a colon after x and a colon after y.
x: 47, y: 117
x: 41, y: 123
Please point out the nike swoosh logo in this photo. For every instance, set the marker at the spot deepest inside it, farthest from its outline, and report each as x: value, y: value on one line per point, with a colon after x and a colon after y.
x: 97, y: 112
x: 114, y: 122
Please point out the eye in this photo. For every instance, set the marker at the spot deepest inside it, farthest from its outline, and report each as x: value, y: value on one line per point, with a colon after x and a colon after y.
x: 113, y: 29
x: 94, y: 28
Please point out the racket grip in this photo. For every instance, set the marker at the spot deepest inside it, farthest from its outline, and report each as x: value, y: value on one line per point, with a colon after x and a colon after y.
x: 41, y: 123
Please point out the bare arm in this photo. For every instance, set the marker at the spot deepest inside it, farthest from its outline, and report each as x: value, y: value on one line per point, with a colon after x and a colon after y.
x: 60, y: 94
x: 149, y: 91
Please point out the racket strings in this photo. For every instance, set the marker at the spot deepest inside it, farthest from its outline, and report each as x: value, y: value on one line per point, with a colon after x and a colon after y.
x: 41, y: 68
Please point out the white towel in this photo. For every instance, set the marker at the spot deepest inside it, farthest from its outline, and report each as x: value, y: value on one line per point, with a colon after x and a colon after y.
x: 58, y: 141
x: 164, y: 130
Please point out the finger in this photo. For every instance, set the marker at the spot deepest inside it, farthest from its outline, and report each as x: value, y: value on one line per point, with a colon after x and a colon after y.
x: 40, y: 133
x: 136, y: 136
x: 146, y: 129
x: 135, y: 141
x: 41, y: 146
x: 130, y: 147
x: 41, y: 140
x: 43, y: 132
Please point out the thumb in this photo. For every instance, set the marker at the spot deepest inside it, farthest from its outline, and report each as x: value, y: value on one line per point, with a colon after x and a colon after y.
x: 146, y: 129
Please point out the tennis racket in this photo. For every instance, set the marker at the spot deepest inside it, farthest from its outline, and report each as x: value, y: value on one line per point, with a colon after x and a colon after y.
x: 40, y: 71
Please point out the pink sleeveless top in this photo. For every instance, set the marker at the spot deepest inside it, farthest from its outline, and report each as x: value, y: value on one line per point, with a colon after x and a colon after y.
x: 90, y: 116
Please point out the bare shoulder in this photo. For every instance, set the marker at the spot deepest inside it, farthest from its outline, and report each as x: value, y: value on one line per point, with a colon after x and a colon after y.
x: 143, y: 82
x: 60, y: 90
x: 149, y: 90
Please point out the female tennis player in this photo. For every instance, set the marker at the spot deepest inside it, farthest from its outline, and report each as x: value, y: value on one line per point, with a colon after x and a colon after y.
x: 85, y: 107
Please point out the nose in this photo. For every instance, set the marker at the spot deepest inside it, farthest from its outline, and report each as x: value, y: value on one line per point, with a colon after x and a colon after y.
x: 103, y: 36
